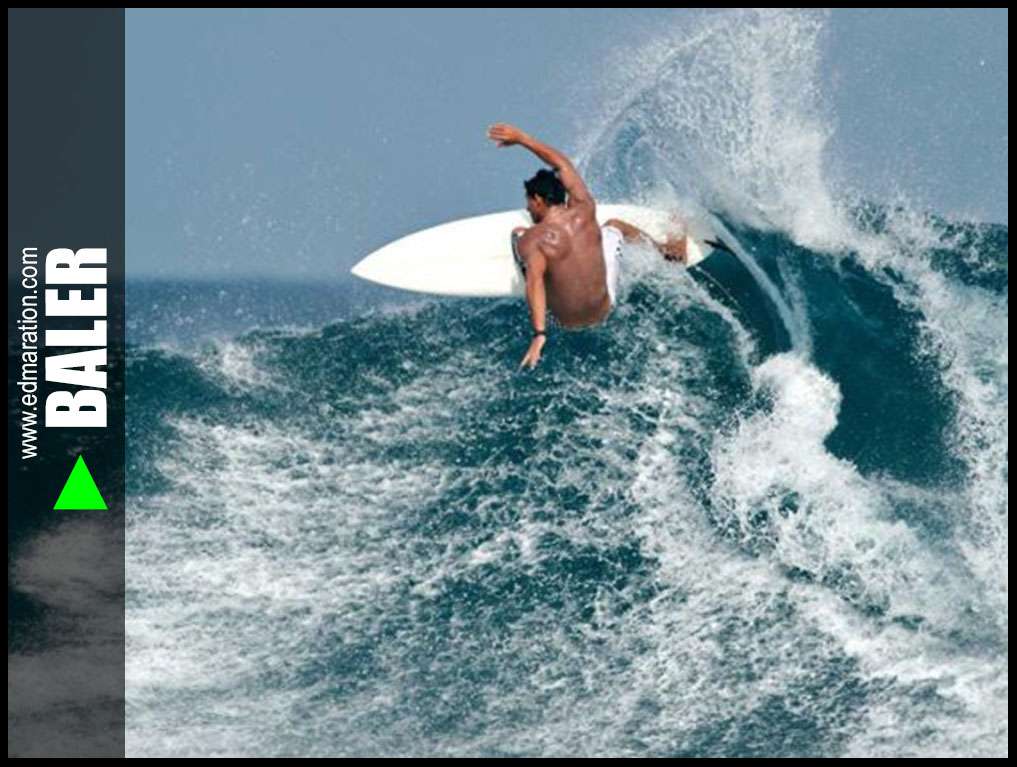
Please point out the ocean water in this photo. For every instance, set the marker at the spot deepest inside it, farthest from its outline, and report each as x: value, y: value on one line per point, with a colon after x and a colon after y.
x: 761, y: 511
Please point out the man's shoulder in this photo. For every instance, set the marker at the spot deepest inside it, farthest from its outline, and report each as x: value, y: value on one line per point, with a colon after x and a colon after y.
x: 552, y: 237
x: 582, y: 216
x: 582, y: 206
x: 582, y: 219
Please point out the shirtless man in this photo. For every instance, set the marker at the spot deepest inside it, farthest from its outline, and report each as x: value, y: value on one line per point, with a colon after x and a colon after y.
x: 566, y: 266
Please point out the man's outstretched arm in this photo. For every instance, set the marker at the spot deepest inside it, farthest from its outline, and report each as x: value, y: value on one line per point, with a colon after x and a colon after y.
x: 508, y: 135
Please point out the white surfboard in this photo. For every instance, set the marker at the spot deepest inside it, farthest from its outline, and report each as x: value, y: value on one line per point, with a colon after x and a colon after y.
x: 473, y: 256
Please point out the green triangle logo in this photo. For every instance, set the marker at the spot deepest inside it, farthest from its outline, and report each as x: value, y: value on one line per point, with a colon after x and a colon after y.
x: 80, y: 491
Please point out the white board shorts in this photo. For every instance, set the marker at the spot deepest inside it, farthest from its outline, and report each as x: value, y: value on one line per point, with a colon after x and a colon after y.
x: 612, y: 239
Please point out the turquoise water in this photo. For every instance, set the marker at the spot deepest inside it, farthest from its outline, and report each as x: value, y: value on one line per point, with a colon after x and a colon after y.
x: 761, y: 514
x: 679, y: 535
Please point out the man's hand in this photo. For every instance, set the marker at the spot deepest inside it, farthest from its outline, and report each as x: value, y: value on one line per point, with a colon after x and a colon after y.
x: 533, y: 353
x: 509, y: 135
x: 505, y: 135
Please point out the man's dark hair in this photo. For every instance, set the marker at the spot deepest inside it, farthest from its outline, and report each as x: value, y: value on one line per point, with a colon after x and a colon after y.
x: 546, y: 184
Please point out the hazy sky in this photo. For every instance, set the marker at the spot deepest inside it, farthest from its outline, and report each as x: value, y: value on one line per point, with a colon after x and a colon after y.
x: 291, y: 143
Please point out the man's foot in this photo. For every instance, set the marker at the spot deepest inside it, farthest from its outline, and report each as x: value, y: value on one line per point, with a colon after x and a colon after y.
x: 675, y: 248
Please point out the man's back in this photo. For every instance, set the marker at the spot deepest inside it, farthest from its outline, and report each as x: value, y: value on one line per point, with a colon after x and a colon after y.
x: 575, y: 277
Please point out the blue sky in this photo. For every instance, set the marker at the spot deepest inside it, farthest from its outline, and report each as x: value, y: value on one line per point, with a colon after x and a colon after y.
x: 289, y: 143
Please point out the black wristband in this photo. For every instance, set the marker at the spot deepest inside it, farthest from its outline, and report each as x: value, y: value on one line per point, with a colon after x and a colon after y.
x: 540, y: 333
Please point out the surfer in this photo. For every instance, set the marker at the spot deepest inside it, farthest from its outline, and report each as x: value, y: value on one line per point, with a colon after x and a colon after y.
x: 570, y: 261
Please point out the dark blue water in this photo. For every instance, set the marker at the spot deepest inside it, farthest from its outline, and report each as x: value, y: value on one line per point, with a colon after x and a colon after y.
x: 679, y: 535
x: 761, y: 511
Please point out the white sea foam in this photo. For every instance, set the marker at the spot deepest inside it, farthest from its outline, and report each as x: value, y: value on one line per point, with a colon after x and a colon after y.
x: 777, y: 576
x: 730, y: 110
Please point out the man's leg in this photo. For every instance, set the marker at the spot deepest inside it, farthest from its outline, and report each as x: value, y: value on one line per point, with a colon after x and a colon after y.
x: 674, y: 248
x: 517, y: 234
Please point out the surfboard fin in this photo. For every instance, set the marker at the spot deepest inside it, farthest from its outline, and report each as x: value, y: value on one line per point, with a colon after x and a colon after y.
x: 718, y: 244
